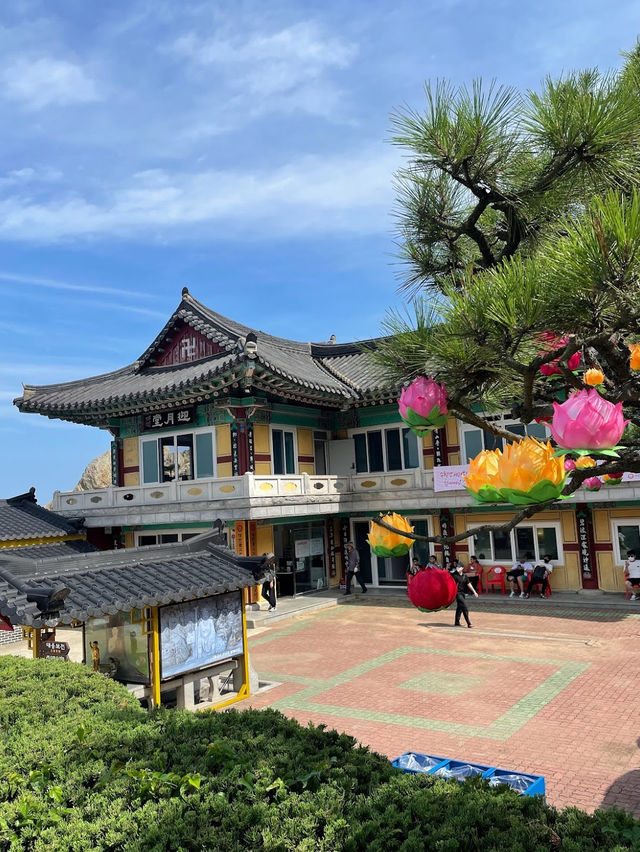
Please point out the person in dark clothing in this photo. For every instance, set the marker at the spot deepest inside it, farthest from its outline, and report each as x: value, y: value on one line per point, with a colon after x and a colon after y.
x: 353, y: 568
x: 463, y: 586
x: 269, y: 581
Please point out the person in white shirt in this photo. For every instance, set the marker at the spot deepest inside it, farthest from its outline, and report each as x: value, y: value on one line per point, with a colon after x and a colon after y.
x: 517, y: 575
x: 540, y: 575
x: 632, y: 574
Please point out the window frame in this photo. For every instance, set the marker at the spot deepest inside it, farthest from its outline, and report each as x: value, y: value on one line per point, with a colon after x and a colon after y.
x: 537, y: 557
x: 279, y: 427
x: 502, y: 421
x: 383, y: 429
x: 148, y: 437
x: 620, y: 558
x: 138, y: 534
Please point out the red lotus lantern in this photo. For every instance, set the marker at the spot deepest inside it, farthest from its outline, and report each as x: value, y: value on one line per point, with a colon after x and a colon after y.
x: 432, y: 589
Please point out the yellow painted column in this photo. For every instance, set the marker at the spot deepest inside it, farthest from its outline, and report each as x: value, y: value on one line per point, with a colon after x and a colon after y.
x: 155, y: 657
x: 245, y: 690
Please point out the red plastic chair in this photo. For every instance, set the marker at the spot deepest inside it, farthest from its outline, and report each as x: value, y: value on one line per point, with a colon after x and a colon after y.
x: 496, y: 576
x: 548, y: 592
x: 480, y: 571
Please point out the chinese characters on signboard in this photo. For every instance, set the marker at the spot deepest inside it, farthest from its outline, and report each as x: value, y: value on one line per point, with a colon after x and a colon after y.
x: 250, y: 447
x: 583, y: 544
x: 438, y: 458
x: 332, y: 545
x: 167, y: 419
x: 445, y: 530
x: 235, y: 459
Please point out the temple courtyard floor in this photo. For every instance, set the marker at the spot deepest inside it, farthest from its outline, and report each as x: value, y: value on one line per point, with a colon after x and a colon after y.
x: 537, y: 688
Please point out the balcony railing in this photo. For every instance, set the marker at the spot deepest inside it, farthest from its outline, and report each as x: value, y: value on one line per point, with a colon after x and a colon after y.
x: 250, y: 487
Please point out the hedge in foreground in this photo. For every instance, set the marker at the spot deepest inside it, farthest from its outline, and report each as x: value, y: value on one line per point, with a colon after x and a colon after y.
x: 83, y: 767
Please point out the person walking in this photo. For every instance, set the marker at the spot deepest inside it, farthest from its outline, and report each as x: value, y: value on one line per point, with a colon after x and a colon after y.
x: 269, y: 581
x: 463, y: 586
x: 353, y: 568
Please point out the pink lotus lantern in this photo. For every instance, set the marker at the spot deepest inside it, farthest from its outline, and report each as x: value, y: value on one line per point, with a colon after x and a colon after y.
x: 587, y: 422
x: 594, y: 483
x: 569, y: 464
x: 423, y: 405
x: 551, y: 341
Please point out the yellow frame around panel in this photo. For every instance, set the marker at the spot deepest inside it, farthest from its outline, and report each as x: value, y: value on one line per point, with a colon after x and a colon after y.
x: 245, y: 689
x: 155, y: 653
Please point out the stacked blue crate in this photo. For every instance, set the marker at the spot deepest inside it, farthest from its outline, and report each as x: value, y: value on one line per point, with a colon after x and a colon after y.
x: 524, y: 783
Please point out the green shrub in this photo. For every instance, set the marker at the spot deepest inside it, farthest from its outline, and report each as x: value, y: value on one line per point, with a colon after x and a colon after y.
x: 83, y: 767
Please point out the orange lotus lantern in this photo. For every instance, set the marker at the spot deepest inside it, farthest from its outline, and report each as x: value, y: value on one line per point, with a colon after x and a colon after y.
x: 593, y: 377
x: 383, y: 542
x: 634, y: 356
x: 527, y: 472
x: 584, y: 462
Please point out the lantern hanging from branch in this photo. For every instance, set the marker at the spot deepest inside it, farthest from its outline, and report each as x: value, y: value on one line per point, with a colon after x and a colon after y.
x: 593, y: 483
x: 587, y: 422
x: 423, y: 405
x: 525, y: 473
x: 432, y: 589
x: 613, y: 478
x: 383, y: 542
x: 550, y: 341
x: 634, y: 356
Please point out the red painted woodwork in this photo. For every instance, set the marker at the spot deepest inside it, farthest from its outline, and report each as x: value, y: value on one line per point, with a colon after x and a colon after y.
x: 186, y: 344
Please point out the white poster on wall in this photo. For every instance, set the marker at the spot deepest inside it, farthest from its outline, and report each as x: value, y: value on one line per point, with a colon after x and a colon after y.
x: 449, y: 477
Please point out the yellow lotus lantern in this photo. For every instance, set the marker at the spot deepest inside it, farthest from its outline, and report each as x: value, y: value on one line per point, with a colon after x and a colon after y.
x: 383, y: 542
x: 526, y: 472
x: 584, y: 462
x: 634, y: 356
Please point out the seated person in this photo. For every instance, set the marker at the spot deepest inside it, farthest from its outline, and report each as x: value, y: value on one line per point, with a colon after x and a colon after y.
x: 540, y: 575
x: 415, y: 566
x: 473, y: 571
x: 433, y: 561
x: 632, y: 574
x: 517, y: 574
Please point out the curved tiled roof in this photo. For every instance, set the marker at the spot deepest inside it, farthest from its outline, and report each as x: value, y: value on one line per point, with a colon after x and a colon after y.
x: 21, y: 518
x: 321, y: 373
x: 112, y: 581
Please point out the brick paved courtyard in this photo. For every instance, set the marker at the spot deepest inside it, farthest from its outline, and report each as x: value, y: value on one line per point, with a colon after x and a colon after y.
x: 542, y: 690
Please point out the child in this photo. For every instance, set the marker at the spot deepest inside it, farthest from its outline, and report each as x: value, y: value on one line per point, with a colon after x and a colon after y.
x: 463, y: 586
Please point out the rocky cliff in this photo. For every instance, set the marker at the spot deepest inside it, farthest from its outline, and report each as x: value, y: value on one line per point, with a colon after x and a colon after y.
x: 97, y: 474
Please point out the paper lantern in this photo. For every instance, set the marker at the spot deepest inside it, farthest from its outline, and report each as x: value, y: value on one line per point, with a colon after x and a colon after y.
x: 527, y: 472
x: 423, y: 405
x: 634, y: 356
x: 613, y: 478
x: 593, y: 377
x: 383, y: 542
x: 593, y: 483
x: 551, y: 341
x: 432, y: 589
x: 587, y: 422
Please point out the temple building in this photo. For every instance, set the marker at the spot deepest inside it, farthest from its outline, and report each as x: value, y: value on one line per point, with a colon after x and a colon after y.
x: 293, y: 447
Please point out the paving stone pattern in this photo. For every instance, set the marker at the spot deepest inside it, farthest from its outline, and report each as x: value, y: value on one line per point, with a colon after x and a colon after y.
x: 552, y: 691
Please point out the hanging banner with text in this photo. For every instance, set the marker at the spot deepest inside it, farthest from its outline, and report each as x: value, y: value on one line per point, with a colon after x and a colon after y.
x: 449, y: 477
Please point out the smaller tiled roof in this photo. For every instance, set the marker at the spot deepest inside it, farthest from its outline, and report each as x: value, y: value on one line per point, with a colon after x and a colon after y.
x: 55, y: 550
x: 112, y: 581
x: 21, y: 518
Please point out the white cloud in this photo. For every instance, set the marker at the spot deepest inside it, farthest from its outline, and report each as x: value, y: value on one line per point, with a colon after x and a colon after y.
x: 43, y: 82
x: 283, y: 70
x: 312, y: 194
x: 50, y: 283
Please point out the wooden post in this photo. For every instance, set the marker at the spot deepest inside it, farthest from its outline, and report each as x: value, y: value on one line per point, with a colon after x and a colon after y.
x: 35, y: 642
x: 155, y: 658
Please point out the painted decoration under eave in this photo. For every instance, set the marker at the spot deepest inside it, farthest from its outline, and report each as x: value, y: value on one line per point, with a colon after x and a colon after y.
x: 423, y: 405
x: 587, y: 422
x: 525, y: 473
x: 383, y: 542
x: 432, y: 589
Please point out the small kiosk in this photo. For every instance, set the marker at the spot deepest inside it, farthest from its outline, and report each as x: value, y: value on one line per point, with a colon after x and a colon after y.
x: 166, y: 621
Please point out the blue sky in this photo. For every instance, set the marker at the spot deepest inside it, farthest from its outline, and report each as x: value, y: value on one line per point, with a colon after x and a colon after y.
x: 240, y: 149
